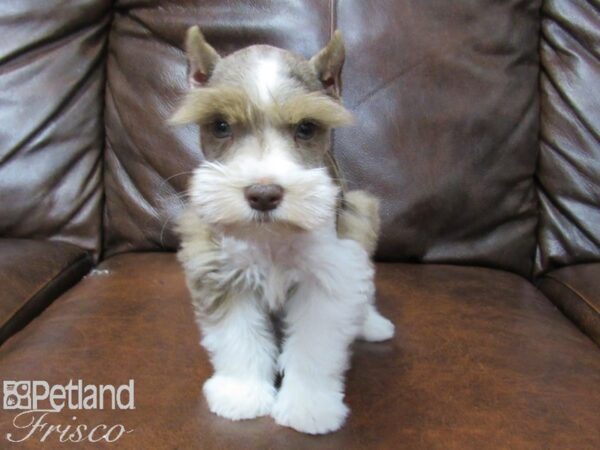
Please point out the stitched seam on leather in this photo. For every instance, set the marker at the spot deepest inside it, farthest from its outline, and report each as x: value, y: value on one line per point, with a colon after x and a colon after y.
x: 45, y: 286
x: 575, y: 291
x: 537, y: 248
x: 100, y: 238
x: 332, y: 17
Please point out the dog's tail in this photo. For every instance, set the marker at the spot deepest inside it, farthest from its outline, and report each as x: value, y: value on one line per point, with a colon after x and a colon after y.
x: 359, y: 219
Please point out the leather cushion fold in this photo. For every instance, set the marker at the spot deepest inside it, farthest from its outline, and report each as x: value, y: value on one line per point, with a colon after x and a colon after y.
x: 52, y: 56
x: 576, y: 291
x: 32, y: 274
x: 569, y: 162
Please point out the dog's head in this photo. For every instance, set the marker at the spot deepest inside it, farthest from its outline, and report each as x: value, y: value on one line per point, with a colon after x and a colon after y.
x: 265, y: 117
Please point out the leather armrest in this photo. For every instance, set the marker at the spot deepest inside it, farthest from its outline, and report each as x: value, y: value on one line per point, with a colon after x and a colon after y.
x: 32, y: 274
x: 576, y: 291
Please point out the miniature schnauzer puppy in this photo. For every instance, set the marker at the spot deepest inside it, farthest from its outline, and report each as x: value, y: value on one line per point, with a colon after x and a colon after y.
x: 269, y: 233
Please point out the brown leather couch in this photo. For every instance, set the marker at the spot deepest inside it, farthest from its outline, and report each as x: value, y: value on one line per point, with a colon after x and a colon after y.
x: 478, y: 124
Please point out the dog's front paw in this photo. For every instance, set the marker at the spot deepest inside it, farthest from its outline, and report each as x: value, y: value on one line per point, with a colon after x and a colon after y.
x: 310, y: 411
x: 237, y: 398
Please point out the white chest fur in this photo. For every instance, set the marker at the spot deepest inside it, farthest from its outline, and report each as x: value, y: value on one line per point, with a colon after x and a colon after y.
x: 272, y: 264
x: 270, y: 268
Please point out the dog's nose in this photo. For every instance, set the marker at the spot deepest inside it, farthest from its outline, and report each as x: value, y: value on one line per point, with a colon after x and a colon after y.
x: 264, y: 197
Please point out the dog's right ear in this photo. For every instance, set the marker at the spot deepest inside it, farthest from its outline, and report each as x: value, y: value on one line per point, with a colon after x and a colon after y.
x: 202, y: 58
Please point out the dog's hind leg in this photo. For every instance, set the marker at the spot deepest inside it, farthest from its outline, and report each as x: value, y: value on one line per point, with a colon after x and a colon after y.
x: 359, y: 219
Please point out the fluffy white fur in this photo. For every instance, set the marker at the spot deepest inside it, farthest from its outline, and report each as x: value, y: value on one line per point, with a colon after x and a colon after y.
x: 331, y: 305
x: 266, y: 78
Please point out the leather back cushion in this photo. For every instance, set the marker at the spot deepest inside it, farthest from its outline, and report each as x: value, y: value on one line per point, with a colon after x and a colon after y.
x: 51, y: 134
x: 445, y: 94
x: 569, y: 165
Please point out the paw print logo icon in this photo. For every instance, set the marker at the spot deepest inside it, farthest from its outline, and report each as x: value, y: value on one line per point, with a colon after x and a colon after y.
x: 17, y: 395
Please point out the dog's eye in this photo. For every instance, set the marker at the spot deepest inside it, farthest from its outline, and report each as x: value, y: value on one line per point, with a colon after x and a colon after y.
x: 305, y: 130
x: 221, y: 129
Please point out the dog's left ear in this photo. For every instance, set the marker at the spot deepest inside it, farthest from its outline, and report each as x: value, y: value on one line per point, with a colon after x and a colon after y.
x: 202, y: 58
x: 328, y: 63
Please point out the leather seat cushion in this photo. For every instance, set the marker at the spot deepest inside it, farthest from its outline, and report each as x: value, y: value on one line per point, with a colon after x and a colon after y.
x: 481, y: 359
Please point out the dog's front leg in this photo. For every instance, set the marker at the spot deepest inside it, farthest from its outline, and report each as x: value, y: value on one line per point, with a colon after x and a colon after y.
x: 322, y: 319
x: 243, y: 352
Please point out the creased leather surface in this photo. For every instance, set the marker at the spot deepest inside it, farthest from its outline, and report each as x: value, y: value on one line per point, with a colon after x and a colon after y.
x: 147, y: 161
x: 569, y: 164
x: 576, y: 291
x: 32, y: 274
x: 480, y: 360
x: 51, y: 133
x: 445, y: 94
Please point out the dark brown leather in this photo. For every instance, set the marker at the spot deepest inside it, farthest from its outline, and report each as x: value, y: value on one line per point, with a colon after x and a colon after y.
x: 51, y: 131
x: 445, y: 95
x: 148, y: 162
x: 576, y: 291
x: 32, y: 274
x: 446, y: 133
x: 480, y: 360
x: 569, y: 163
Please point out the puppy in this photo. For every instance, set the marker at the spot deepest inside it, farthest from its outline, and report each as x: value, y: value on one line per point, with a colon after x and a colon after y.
x: 268, y: 231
